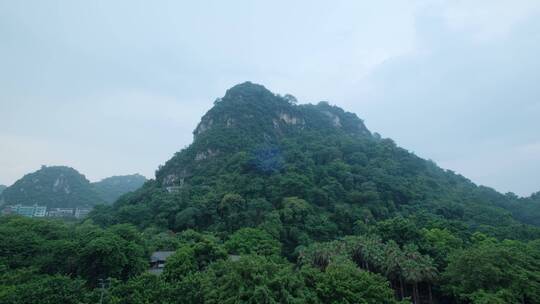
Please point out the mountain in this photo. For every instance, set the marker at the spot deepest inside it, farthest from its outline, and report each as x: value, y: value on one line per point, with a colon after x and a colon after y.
x: 111, y: 188
x: 52, y: 186
x: 276, y: 202
x: 65, y: 187
x: 258, y: 158
x: 2, y: 188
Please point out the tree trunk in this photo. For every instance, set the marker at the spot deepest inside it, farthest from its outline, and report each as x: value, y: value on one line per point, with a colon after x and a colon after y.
x: 401, y: 287
x: 430, y: 294
x: 416, y: 294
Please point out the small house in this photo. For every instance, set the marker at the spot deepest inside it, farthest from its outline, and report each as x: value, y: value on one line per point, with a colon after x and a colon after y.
x: 157, y: 261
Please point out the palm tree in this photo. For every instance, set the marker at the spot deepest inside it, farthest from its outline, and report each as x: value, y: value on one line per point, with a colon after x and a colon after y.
x: 429, y: 273
x: 411, y: 267
x: 418, y: 268
x: 393, y: 258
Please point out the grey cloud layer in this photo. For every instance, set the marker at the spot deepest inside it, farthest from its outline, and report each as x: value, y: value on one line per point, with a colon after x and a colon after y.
x: 117, y: 87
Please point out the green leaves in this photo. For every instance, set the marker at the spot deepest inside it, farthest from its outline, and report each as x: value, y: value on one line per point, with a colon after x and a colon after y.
x: 344, y: 282
x: 41, y: 289
x: 251, y: 240
x: 180, y: 264
x: 487, y: 268
x: 253, y: 279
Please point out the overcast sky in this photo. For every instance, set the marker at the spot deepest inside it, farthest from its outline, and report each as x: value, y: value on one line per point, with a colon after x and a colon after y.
x: 116, y: 87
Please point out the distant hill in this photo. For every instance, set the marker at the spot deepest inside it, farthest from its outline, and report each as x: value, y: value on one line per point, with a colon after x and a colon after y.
x: 54, y: 186
x: 111, y: 188
x: 527, y: 209
x: 2, y: 187
x: 61, y: 186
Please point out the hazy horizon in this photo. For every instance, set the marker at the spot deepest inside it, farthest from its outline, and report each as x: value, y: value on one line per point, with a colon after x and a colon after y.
x: 88, y: 85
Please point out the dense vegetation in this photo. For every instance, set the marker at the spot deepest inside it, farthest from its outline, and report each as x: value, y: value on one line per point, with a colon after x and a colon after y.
x: 526, y: 209
x: 65, y: 187
x: 111, y: 188
x: 282, y: 203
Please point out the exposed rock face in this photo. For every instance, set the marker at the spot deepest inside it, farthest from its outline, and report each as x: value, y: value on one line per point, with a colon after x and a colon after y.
x: 176, y: 179
x: 205, y: 154
x: 170, y: 180
x: 290, y: 119
x: 334, y: 118
x: 203, y: 127
x: 250, y: 115
x: 61, y: 185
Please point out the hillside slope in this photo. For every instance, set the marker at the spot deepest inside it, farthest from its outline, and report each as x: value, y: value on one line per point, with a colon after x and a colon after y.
x: 111, y: 188
x: 258, y: 158
x: 276, y: 202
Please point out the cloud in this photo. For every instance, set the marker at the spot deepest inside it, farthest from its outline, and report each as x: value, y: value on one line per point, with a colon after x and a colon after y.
x: 507, y: 169
x: 118, y: 132
x: 21, y: 155
x: 118, y: 86
x: 459, y: 101
x: 487, y: 20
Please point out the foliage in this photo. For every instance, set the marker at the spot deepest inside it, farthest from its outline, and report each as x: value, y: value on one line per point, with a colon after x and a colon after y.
x: 345, y: 283
x: 251, y: 240
x: 26, y: 287
x: 253, y: 279
x: 507, y: 270
x: 111, y: 188
x: 276, y: 202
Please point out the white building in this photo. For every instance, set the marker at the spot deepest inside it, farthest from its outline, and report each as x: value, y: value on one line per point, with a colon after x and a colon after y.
x: 82, y: 212
x: 29, y: 211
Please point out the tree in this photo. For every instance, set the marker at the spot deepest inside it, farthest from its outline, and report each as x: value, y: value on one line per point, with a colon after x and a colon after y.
x: 252, y: 240
x: 180, y: 264
x: 253, y: 279
x: 399, y: 229
x: 19, y: 288
x: 439, y: 243
x: 146, y: 288
x: 488, y: 268
x: 115, y: 253
x: 206, y: 247
x: 344, y: 282
x: 231, y: 210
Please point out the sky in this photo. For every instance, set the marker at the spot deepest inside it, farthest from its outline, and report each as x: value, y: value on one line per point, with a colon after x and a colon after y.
x: 117, y: 87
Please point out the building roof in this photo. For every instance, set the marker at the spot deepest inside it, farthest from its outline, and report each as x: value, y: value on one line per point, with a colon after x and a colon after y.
x: 234, y: 257
x: 160, y: 256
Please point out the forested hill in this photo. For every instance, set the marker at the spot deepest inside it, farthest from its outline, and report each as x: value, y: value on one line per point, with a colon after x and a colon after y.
x: 256, y: 150
x: 65, y: 187
x: 52, y: 186
x: 526, y: 209
x: 111, y: 188
x: 2, y: 188
x: 276, y: 202
x: 306, y: 205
